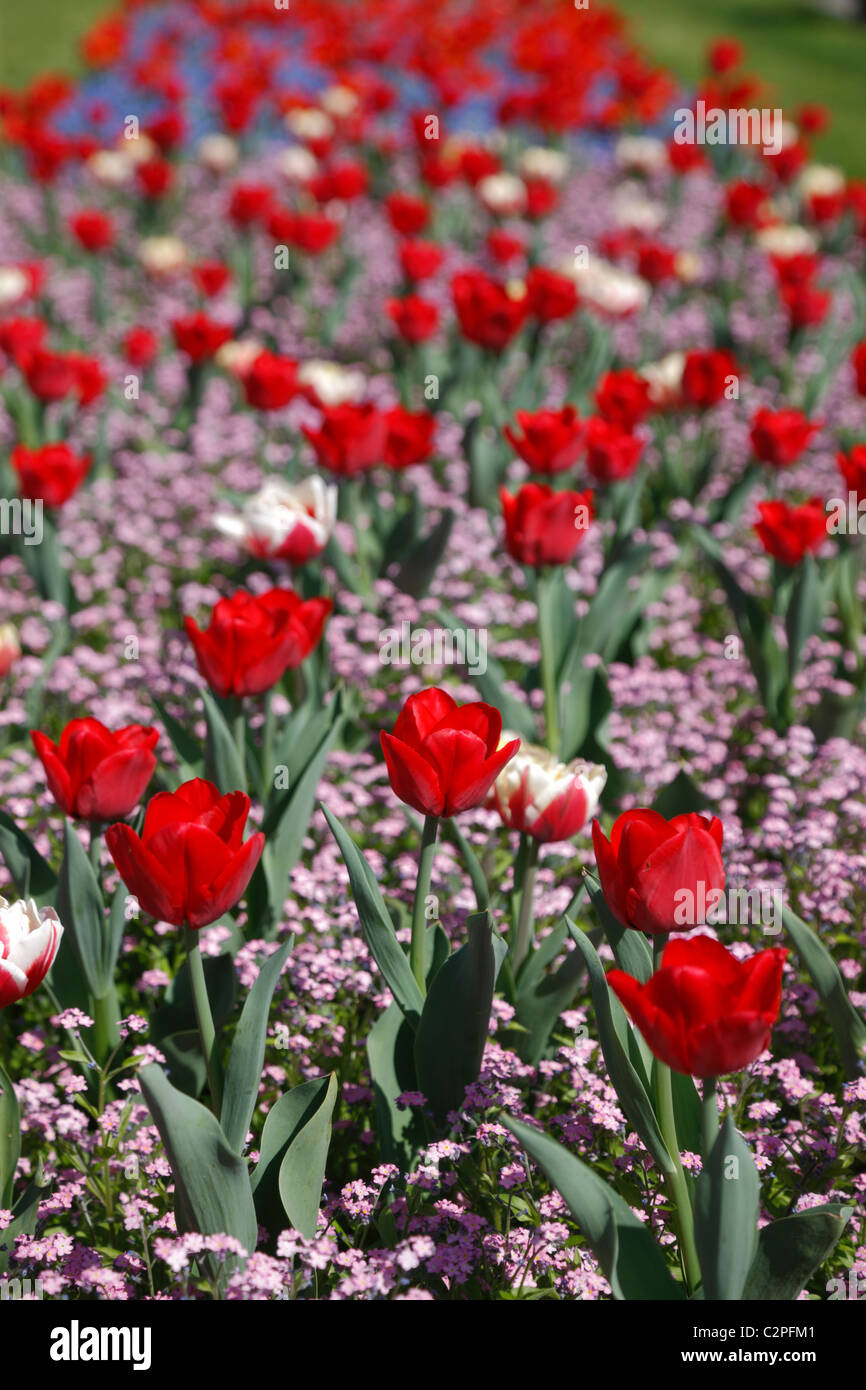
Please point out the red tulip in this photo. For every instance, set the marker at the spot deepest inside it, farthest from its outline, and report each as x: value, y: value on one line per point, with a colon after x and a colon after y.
x: 420, y: 259
x: 623, y: 397
x: 780, y: 436
x: 199, y: 336
x: 705, y: 1013
x: 154, y: 177
x: 852, y: 466
x: 351, y: 439
x: 488, y: 314
x: 504, y: 246
x: 706, y: 376
x: 612, y: 452
x: 252, y: 640
x: 807, y: 305
x: 407, y: 214
x: 542, y: 197
x: 788, y: 533
x: 858, y: 360
x: 191, y: 863
x: 21, y: 338
x: 49, y: 375
x: 725, y: 54
x: 270, y: 382
x: 313, y: 232
x: 211, y: 277
x: 415, y: 319
x: 442, y: 757
x: 748, y: 204
x: 140, y: 347
x: 93, y: 230
x: 52, y: 473
x: 543, y: 527
x: 551, y: 295
x: 649, y: 863
x: 408, y: 436
x: 249, y: 203
x: 552, y: 439
x: 90, y: 378
x: 94, y: 774
x: 656, y: 263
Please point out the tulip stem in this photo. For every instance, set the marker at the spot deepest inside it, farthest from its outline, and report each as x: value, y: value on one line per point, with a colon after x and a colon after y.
x: 709, y: 1117
x: 422, y: 889
x: 204, y: 1017
x: 544, y: 602
x: 268, y: 746
x: 675, y: 1178
x: 240, y: 735
x: 526, y: 919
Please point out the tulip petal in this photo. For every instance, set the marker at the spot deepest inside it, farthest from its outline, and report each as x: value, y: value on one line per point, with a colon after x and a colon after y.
x: 116, y: 784
x: 146, y: 877
x: 421, y: 714
x: 229, y: 887
x: 413, y: 779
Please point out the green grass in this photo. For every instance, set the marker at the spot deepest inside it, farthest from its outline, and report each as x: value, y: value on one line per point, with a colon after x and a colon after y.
x: 803, y: 55
x: 38, y: 36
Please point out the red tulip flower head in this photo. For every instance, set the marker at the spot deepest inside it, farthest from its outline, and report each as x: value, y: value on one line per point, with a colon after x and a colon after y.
x: 190, y: 864
x: 543, y: 527
x: 52, y: 473
x: 650, y: 864
x: 780, y: 436
x: 551, y: 440
x: 488, y: 313
x: 705, y: 1013
x: 788, y: 533
x: 94, y: 774
x: 442, y: 757
x: 252, y: 640
x: 351, y: 439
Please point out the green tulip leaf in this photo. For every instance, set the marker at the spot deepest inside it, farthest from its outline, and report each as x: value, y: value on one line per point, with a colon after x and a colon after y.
x: 623, y: 1062
x: 82, y: 912
x: 792, y: 1248
x: 376, y: 924
x: 10, y: 1139
x: 727, y: 1204
x: 455, y: 1022
x: 847, y: 1023
x: 302, y: 1170
x: 212, y: 1185
x: 283, y: 1124
x: 244, y: 1070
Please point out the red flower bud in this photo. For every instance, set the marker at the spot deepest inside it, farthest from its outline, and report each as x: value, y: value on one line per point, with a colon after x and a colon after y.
x: 442, y: 757
x: 251, y: 641
x: 52, y: 473
x: 543, y: 527
x: 191, y: 863
x: 552, y: 439
x: 788, y: 533
x: 649, y: 861
x: 94, y: 774
x: 705, y: 1013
